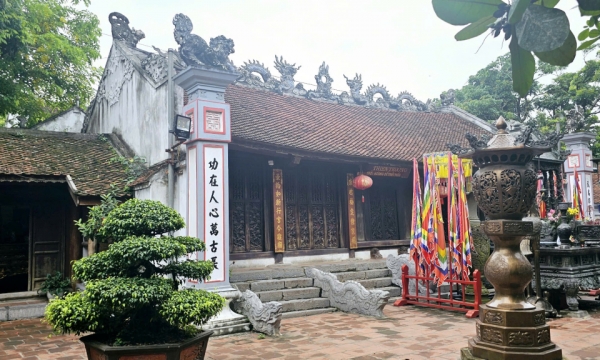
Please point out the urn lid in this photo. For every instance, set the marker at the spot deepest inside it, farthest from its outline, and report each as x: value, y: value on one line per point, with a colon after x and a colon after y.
x: 503, y: 147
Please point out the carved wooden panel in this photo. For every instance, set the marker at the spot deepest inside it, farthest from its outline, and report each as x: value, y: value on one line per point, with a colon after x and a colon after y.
x: 246, y: 206
x: 383, y: 213
x: 311, y: 219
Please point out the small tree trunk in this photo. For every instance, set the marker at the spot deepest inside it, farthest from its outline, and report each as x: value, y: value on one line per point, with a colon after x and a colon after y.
x: 91, y: 247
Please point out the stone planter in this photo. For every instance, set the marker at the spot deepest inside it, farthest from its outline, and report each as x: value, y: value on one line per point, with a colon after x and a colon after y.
x: 192, y: 349
x: 589, y: 234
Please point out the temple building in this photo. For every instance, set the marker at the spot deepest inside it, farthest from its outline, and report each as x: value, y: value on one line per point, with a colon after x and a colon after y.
x: 314, y: 142
x: 274, y: 161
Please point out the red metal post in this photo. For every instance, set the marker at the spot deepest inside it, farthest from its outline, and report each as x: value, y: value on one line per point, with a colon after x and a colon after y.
x: 404, y: 300
x: 477, y: 290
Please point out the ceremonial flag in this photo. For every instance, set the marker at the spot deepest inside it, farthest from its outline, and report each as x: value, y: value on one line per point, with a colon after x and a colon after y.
x: 540, y: 202
x: 416, y: 233
x: 555, y: 184
x: 426, y: 219
x: 440, y: 268
x: 453, y: 218
x: 465, y: 229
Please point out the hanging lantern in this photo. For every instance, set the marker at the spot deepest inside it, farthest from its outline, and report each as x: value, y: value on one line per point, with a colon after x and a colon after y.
x: 362, y: 182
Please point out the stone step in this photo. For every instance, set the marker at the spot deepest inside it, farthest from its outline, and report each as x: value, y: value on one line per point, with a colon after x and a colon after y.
x: 286, y: 271
x: 376, y: 283
x: 366, y: 274
x: 276, y: 284
x: 394, y: 291
x: 304, y: 304
x: 293, y: 314
x: 283, y: 272
x: 22, y: 310
x: 289, y: 294
x: 356, y: 265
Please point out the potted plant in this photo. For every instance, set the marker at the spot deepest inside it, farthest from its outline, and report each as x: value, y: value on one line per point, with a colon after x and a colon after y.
x: 132, y: 301
x: 548, y: 232
x: 55, y: 286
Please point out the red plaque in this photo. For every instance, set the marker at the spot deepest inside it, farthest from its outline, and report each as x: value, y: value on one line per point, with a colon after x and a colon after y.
x: 278, y: 222
x: 351, y: 212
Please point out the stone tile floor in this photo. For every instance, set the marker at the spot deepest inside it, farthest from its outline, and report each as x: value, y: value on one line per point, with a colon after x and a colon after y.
x: 407, y: 333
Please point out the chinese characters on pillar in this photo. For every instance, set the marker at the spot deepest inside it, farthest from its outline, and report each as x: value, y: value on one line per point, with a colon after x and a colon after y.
x: 214, y: 211
x: 278, y: 210
x: 351, y: 212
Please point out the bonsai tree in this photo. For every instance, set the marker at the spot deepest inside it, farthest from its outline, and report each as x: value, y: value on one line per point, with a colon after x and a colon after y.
x: 132, y: 291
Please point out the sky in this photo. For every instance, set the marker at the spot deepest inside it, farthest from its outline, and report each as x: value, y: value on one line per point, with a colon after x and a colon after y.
x: 397, y: 43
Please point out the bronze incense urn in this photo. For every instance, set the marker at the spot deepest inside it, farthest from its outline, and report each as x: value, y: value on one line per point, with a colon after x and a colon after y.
x: 505, y: 188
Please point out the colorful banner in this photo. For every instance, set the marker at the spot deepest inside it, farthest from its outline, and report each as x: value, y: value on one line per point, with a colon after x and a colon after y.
x: 441, y: 254
x: 540, y: 202
x: 416, y: 234
x: 465, y: 228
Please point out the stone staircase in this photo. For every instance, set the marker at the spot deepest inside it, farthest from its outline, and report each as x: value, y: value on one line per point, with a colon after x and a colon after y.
x: 288, y: 284
x: 23, y: 305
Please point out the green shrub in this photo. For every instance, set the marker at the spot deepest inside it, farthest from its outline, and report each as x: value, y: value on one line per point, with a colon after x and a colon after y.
x: 132, y: 291
x: 55, y: 285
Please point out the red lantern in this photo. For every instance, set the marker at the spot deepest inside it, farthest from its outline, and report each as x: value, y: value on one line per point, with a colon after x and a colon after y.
x: 362, y: 182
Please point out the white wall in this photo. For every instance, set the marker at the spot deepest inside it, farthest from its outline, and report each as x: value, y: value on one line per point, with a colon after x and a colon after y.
x: 128, y: 104
x: 71, y: 121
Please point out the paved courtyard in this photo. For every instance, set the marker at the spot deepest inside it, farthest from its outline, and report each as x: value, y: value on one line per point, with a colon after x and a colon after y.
x: 407, y: 333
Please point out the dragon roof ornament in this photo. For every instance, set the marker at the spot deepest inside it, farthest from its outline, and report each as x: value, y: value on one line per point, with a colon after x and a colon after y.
x: 120, y: 30
x: 257, y: 75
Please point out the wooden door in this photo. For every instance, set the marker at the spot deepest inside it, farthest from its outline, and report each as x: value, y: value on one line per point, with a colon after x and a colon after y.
x: 382, y: 219
x: 246, y: 214
x: 311, y: 210
x: 47, y: 242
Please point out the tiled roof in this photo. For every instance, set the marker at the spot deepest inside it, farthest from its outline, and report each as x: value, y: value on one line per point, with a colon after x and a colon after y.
x: 293, y: 122
x: 33, y: 154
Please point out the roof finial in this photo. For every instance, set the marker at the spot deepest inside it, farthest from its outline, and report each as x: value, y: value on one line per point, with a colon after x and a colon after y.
x: 501, y: 125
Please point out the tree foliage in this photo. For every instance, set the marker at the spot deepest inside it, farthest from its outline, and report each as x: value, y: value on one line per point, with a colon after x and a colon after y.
x: 47, y: 48
x: 489, y: 94
x: 128, y: 298
x: 534, y: 27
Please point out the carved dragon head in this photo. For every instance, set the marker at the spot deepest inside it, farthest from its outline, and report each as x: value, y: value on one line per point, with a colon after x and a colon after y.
x: 354, y: 84
x: 120, y: 29
x: 284, y: 68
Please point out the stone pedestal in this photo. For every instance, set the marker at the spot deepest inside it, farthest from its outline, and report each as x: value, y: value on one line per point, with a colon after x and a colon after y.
x: 513, y: 335
x: 509, y: 328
